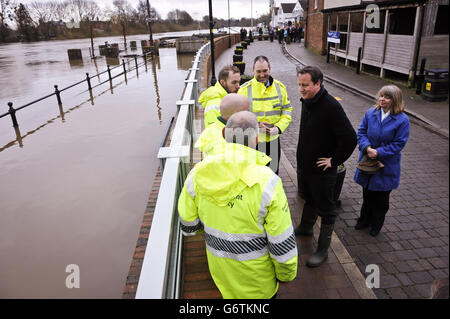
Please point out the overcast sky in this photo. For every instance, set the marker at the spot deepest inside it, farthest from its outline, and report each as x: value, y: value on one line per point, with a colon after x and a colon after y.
x: 199, y: 8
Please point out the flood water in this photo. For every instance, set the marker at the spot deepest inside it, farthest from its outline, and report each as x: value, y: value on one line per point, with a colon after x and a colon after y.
x: 75, y: 179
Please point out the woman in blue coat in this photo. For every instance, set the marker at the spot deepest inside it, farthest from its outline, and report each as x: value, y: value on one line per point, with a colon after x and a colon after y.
x: 382, y: 135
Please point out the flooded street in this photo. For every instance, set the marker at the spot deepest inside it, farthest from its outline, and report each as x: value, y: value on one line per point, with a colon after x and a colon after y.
x: 74, y: 187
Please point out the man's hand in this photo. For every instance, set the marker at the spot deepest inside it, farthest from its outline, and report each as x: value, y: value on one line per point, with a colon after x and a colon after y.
x: 273, y: 131
x: 269, y: 129
x: 325, y: 162
x: 372, y: 153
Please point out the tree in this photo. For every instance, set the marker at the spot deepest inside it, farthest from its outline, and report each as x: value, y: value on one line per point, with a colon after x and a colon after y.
x: 142, y: 12
x: 6, y: 12
x: 25, y: 25
x: 80, y: 10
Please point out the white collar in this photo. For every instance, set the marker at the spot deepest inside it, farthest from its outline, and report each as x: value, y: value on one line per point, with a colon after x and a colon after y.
x: 384, y: 115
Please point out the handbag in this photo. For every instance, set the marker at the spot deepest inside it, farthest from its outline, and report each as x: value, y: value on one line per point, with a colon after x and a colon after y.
x: 369, y: 166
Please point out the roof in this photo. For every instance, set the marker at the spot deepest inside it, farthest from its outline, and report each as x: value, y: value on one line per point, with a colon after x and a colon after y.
x: 288, y: 7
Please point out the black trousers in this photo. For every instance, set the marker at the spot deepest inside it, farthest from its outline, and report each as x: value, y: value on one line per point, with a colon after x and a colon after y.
x: 318, y: 192
x: 273, y: 150
x: 374, y: 208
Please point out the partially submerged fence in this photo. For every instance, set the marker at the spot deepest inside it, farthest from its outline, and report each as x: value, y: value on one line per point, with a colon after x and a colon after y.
x: 57, y: 93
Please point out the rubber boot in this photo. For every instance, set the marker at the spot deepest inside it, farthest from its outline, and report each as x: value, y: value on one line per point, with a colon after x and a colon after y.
x: 322, y: 246
x: 309, y: 218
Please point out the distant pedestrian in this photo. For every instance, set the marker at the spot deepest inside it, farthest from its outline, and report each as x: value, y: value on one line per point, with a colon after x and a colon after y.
x: 382, y: 135
x: 326, y: 140
x: 280, y: 34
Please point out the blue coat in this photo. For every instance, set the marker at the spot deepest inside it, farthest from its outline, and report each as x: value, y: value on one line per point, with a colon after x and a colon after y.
x: 388, y: 138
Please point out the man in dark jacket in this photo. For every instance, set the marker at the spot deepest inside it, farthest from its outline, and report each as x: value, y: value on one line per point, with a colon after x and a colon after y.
x: 326, y: 140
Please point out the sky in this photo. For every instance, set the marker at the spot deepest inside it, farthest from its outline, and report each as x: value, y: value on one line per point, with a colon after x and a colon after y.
x: 199, y: 8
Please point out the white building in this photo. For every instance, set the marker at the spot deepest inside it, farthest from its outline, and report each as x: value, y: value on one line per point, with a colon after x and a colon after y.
x: 284, y: 11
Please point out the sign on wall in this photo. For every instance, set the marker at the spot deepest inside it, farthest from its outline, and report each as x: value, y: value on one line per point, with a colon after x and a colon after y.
x: 334, y: 37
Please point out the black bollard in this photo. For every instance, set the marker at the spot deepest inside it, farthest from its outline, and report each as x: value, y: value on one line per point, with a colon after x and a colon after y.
x: 421, y: 76
x: 58, y: 96
x: 135, y: 62
x: 358, y: 63
x: 328, y: 52
x: 88, y: 80
x: 124, y: 68
x: 12, y: 112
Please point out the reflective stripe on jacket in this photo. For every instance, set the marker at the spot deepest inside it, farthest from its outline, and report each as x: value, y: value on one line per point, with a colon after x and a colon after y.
x: 270, y: 104
x: 243, y: 210
x: 210, y: 100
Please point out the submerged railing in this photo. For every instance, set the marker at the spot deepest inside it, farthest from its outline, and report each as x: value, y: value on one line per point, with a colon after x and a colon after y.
x: 160, y: 276
x: 12, y: 111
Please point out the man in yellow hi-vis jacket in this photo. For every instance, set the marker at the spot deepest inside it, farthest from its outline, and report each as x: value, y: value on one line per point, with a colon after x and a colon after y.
x: 212, y: 135
x: 270, y: 102
x: 229, y: 79
x: 243, y: 210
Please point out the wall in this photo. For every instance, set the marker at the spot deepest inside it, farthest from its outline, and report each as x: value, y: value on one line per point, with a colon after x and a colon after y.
x: 220, y: 45
x: 316, y: 34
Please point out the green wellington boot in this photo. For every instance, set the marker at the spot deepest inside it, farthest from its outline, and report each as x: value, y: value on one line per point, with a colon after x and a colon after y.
x: 309, y: 218
x: 322, y: 246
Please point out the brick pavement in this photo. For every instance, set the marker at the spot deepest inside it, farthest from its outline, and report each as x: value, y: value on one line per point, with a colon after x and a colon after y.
x: 338, y: 278
x: 412, y: 248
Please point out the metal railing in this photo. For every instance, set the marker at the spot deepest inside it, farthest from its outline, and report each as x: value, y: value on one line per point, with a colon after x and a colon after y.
x: 160, y: 276
x: 12, y: 111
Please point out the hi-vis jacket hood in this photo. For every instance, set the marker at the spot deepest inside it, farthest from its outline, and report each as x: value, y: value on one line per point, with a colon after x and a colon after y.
x: 210, y: 100
x: 237, y: 170
x: 242, y: 209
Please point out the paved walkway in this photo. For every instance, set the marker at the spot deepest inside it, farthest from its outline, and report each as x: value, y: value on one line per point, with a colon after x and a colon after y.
x: 412, y: 249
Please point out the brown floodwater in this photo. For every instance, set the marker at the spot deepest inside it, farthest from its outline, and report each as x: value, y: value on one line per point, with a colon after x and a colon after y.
x: 74, y: 180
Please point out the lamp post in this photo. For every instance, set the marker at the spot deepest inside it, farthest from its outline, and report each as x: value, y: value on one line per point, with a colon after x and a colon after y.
x: 149, y: 22
x: 251, y: 11
x: 211, y: 36
x: 229, y: 26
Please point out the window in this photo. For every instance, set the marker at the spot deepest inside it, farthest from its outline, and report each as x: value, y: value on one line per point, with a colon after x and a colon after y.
x: 357, y: 21
x: 315, y: 4
x: 401, y: 21
x: 441, y: 26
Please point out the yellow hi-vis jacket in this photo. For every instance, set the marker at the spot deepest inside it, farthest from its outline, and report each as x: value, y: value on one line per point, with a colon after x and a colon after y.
x: 210, y: 100
x: 270, y: 104
x: 210, y: 137
x: 243, y: 210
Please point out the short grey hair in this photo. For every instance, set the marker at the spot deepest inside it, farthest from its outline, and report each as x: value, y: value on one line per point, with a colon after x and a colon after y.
x: 241, y: 128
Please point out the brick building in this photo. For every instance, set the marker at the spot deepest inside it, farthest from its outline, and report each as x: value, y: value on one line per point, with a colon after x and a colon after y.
x: 393, y: 37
